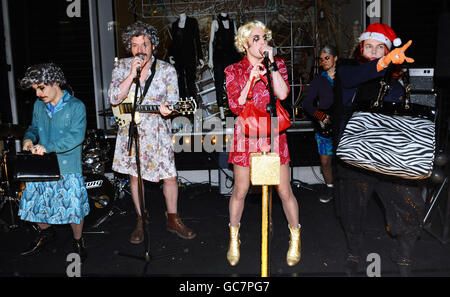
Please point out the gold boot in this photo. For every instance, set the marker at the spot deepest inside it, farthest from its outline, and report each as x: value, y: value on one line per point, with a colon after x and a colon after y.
x: 294, y: 253
x: 234, y: 254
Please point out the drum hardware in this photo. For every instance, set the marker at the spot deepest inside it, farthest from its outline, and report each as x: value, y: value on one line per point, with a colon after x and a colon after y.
x: 13, y: 225
x: 97, y: 151
x: 103, y: 194
x: 8, y: 195
x: 95, y: 232
x: 11, y: 130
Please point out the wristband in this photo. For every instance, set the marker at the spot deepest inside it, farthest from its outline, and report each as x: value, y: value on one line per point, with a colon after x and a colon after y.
x: 273, y: 67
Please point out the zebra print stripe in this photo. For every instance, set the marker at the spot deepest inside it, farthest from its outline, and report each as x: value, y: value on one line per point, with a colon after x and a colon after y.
x: 401, y: 146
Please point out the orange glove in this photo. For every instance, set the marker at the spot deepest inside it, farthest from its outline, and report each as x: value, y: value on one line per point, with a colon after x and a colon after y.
x: 396, y: 56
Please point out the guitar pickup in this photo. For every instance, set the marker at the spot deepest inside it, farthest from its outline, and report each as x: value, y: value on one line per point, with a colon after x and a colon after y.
x: 125, y: 108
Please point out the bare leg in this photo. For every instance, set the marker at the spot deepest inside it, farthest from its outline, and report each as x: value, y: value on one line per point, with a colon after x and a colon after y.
x: 43, y: 226
x: 241, y: 185
x: 77, y: 230
x: 290, y: 205
x: 170, y: 192
x: 135, y: 193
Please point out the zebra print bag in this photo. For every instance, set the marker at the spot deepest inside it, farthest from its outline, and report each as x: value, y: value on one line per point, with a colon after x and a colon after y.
x: 390, y: 138
x: 396, y: 145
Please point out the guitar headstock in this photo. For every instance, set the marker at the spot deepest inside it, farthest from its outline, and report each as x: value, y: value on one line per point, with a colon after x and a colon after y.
x: 185, y: 106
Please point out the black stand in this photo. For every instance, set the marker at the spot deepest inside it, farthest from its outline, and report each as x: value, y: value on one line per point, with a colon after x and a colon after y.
x: 7, y: 191
x: 437, y: 218
x: 298, y: 183
x: 272, y: 106
x: 272, y: 111
x: 134, y: 134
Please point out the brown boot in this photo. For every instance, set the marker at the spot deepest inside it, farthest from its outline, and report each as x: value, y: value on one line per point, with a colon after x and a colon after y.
x: 138, y: 234
x: 175, y: 225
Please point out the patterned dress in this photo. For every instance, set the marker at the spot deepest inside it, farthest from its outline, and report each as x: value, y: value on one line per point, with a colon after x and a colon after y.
x: 60, y: 129
x: 236, y: 77
x: 155, y: 140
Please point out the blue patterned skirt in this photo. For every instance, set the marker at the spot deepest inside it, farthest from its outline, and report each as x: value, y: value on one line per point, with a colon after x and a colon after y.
x: 56, y: 202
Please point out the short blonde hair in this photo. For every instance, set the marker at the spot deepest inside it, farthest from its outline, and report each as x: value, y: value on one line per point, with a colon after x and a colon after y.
x: 244, y: 33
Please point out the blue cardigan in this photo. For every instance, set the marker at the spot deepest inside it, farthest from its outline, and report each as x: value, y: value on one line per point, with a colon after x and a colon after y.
x: 63, y: 132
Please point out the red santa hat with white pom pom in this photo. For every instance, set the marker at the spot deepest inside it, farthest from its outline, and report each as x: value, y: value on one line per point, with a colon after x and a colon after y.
x: 381, y: 32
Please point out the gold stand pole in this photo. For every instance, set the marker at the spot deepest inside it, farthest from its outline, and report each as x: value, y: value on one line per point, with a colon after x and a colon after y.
x: 265, y: 171
x: 264, y: 241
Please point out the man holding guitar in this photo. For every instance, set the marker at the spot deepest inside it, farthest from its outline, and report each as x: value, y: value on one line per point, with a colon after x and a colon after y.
x: 159, y: 86
x: 317, y: 104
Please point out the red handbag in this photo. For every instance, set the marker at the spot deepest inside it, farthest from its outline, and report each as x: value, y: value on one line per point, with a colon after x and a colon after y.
x: 256, y: 122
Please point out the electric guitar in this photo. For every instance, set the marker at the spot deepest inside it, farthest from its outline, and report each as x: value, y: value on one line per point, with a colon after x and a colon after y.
x: 122, y: 112
x: 325, y: 130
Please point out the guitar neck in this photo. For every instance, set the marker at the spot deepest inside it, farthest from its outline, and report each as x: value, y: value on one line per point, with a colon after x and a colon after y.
x: 128, y: 108
x: 148, y: 108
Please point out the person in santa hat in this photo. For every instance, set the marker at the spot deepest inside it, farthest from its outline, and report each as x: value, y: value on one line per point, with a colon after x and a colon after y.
x: 357, y: 83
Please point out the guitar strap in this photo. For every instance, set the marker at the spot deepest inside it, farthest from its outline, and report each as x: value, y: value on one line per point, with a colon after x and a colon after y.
x: 149, y: 81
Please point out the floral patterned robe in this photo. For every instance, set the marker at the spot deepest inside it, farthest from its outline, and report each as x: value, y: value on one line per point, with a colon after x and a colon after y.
x: 155, y: 140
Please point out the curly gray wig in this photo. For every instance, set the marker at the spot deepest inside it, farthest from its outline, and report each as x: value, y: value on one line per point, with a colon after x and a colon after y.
x: 47, y: 73
x: 329, y: 49
x: 137, y: 29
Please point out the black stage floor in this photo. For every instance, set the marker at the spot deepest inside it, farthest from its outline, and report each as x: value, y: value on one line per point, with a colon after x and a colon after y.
x: 203, y: 209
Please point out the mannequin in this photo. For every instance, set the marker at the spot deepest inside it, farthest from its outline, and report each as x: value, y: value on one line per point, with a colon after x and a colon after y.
x: 184, y: 53
x: 222, y: 53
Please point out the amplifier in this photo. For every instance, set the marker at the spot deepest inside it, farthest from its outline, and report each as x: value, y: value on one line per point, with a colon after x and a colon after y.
x: 422, y: 79
x: 427, y: 99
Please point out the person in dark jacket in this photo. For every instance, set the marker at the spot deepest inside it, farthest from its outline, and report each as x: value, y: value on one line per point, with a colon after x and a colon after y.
x: 318, y: 104
x: 358, y: 82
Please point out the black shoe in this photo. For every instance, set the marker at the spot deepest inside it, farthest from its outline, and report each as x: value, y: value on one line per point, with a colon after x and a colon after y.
x: 80, y: 248
x: 404, y: 264
x: 327, y: 196
x: 405, y: 269
x: 351, y: 265
x: 45, y: 236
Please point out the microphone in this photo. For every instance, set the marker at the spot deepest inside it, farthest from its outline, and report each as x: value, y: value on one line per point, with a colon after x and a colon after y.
x: 138, y: 70
x: 266, y: 53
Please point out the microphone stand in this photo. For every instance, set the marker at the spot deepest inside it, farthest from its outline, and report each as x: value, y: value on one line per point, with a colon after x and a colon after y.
x: 133, y: 134
x: 272, y: 110
x: 272, y: 106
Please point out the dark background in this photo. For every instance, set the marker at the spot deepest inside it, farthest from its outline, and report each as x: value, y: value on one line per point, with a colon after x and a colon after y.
x: 41, y: 32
